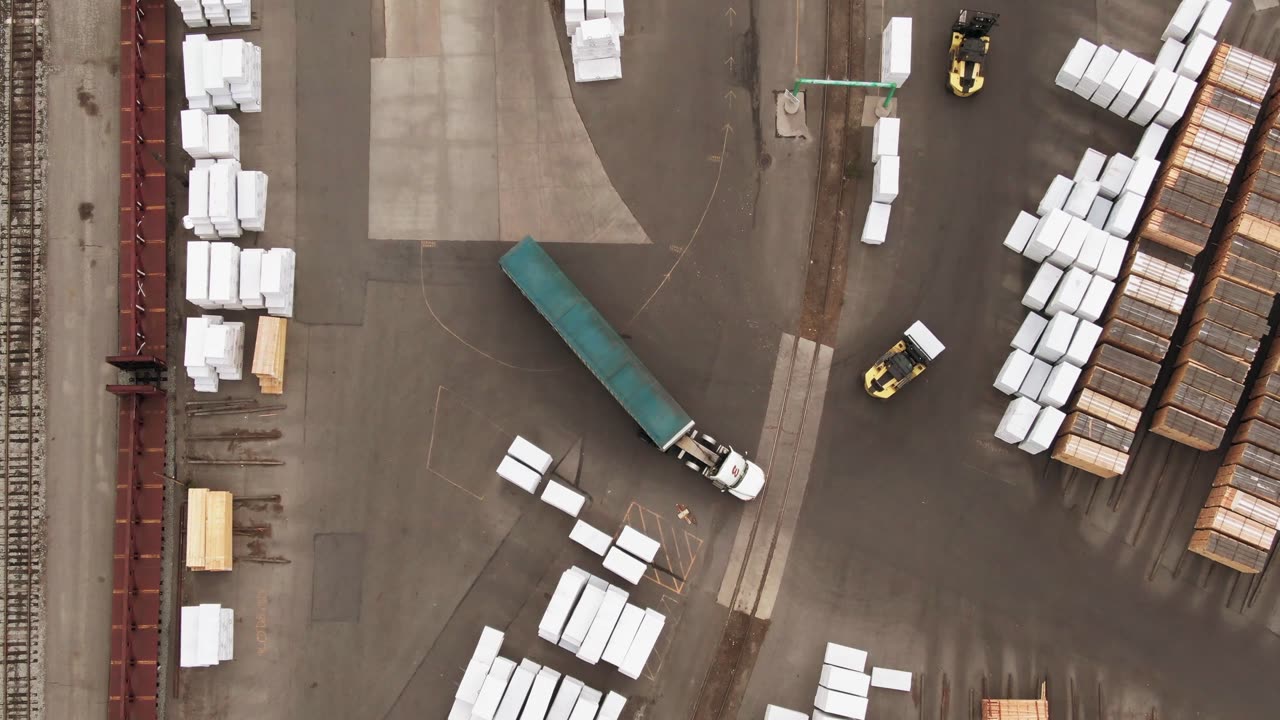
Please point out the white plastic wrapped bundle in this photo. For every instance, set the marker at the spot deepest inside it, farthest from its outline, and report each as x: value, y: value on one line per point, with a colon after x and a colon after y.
x: 1095, y: 299
x: 597, y: 70
x: 1134, y: 86
x: 1082, y: 343
x: 1176, y: 106
x: 239, y: 12
x: 1090, y: 254
x: 251, y: 200
x: 193, y: 73
x: 1124, y: 215
x: 884, y: 184
x: 1115, y: 79
x: 1020, y: 232
x: 1154, y: 98
x: 1045, y: 428
x: 1017, y: 420
x: 1098, y: 212
x: 895, y: 61
x: 1099, y: 66
x: 1029, y: 332
x: 1073, y: 68
x: 1041, y: 288
x: 1013, y: 372
x: 884, y: 138
x: 1080, y: 201
x: 192, y: 13
x: 1140, y: 178
x: 1070, y: 292
x: 1090, y: 166
x: 278, y: 267
x: 1056, y: 338
x: 1070, y: 245
x: 195, y: 133
x: 1114, y: 175
x: 1170, y: 54
x: 1055, y: 196
x: 224, y: 137
x: 251, y: 279
x: 1183, y: 20
x: 876, y: 228
x: 1046, y: 235
x: 222, y: 198
x: 224, y: 275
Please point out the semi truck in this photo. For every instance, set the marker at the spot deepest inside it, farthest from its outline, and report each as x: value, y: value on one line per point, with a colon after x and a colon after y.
x: 608, y: 357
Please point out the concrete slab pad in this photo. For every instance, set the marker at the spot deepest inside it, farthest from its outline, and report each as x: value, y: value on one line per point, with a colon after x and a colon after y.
x: 467, y: 27
x: 412, y: 28
x: 338, y: 579
x: 517, y: 119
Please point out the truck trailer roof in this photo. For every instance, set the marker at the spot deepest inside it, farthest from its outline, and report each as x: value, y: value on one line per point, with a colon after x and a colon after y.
x: 595, y: 342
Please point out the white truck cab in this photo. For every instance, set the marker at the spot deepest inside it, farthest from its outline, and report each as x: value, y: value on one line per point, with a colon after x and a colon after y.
x: 727, y: 468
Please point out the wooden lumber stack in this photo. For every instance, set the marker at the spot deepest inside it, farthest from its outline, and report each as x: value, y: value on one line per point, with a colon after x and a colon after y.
x: 1231, y: 313
x: 209, y: 536
x: 1238, y: 523
x: 1017, y: 709
x: 268, y: 354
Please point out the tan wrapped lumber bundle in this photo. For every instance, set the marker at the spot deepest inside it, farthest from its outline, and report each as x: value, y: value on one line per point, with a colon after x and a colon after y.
x: 1153, y: 293
x: 1136, y: 340
x: 1174, y: 231
x: 1263, y: 408
x: 1202, y: 163
x: 1258, y: 206
x: 1254, y: 508
x: 1216, y: 144
x: 1197, y: 186
x: 1235, y: 344
x: 269, y: 353
x: 1266, y: 152
x: 1099, y: 431
x: 1246, y: 273
x: 1220, y: 122
x: 1268, y: 385
x: 1257, y: 229
x: 209, y: 536
x: 1208, y: 381
x: 1259, y: 433
x: 1127, y: 364
x: 1245, y: 247
x: 1183, y: 427
x: 1113, y: 385
x: 1230, y: 316
x: 1140, y: 314
x: 1227, y: 551
x: 1262, y: 182
x: 1113, y: 411
x: 1233, y: 524
x: 1246, y: 480
x: 1155, y: 269
x: 1214, y: 360
x: 1240, y: 71
x: 1017, y: 709
x: 1094, y: 458
x: 1254, y: 458
x: 1228, y: 102
x: 1171, y: 200
x: 1199, y: 403
x: 1241, y: 296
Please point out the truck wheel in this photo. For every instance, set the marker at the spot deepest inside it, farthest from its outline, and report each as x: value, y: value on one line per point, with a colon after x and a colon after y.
x: 708, y: 441
x: 693, y: 466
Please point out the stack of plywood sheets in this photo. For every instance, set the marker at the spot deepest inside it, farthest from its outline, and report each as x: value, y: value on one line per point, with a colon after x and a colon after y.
x: 268, y: 354
x: 209, y: 536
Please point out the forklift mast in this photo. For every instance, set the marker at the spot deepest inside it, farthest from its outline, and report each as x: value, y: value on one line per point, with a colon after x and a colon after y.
x: 975, y: 23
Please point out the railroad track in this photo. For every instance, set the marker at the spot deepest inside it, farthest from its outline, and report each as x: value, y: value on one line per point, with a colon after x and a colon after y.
x: 21, y: 355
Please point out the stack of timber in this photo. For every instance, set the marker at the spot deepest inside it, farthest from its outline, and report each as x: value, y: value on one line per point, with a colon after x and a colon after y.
x: 268, y: 355
x: 208, y: 530
x: 1017, y: 709
x: 1237, y: 526
x: 1231, y: 313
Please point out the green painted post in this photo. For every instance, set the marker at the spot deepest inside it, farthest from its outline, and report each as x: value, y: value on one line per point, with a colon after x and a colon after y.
x: 892, y: 87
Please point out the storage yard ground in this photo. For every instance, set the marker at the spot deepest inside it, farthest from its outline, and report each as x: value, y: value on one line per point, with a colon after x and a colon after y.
x: 412, y: 363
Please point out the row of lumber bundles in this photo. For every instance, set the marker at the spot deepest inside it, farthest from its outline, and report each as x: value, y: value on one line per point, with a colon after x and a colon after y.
x: 221, y: 74
x: 220, y: 275
x: 594, y: 620
x: 1237, y: 525
x: 1205, y: 154
x: 209, y: 535
x: 495, y: 688
x: 884, y: 180
x: 844, y: 686
x: 218, y: 13
x: 224, y: 200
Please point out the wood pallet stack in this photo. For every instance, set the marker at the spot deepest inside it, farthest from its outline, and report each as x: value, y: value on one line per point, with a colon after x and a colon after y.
x: 268, y: 355
x: 209, y: 536
x: 1017, y: 709
x: 1237, y: 526
x: 1152, y: 289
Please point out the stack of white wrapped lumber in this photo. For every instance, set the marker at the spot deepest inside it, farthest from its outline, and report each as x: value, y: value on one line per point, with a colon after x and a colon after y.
x: 213, y: 351
x: 596, y: 46
x: 592, y: 619
x: 493, y: 687
x: 206, y: 636
x: 221, y: 74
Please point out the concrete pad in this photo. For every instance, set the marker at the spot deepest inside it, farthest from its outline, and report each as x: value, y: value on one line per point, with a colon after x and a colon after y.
x: 790, y: 125
x: 413, y: 28
x: 467, y: 27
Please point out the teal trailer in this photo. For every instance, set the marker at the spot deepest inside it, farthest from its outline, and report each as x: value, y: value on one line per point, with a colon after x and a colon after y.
x: 607, y: 355
x: 596, y: 343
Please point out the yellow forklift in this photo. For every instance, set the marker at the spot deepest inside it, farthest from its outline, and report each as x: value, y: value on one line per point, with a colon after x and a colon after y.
x: 970, y: 41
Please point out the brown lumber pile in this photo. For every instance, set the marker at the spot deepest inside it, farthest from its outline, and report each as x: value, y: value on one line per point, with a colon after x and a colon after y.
x: 268, y: 354
x: 1017, y: 709
x: 209, y: 536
